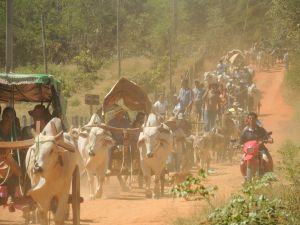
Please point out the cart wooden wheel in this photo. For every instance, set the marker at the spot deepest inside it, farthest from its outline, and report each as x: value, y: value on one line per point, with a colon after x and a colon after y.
x: 76, y: 196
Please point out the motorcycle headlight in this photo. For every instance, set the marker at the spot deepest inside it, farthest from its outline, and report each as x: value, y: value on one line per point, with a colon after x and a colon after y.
x: 250, y: 150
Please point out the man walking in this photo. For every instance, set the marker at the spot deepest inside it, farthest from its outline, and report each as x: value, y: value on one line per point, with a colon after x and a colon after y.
x: 212, y: 104
x: 185, y: 97
x: 198, y: 92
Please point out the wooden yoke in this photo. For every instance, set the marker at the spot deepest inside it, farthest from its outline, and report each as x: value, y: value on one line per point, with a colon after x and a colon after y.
x: 120, y: 130
x: 22, y: 145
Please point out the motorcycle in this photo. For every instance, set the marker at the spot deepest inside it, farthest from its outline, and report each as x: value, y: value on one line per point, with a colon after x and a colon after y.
x: 256, y: 158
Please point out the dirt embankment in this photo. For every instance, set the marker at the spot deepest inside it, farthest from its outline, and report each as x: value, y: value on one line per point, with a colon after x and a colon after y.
x: 127, y: 208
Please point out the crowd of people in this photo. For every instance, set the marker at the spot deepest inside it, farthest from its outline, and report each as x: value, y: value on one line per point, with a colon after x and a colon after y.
x: 221, y: 90
x: 228, y: 91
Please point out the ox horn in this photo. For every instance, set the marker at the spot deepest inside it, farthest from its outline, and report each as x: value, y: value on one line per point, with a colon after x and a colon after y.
x: 59, y: 136
x: 59, y: 139
x: 66, y: 146
x: 53, y: 128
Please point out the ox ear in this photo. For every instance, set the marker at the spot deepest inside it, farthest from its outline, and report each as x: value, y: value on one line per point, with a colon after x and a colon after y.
x: 60, y: 149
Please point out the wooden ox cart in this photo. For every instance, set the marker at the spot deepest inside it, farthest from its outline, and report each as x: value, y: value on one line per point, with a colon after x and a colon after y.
x: 134, y: 100
x: 33, y: 88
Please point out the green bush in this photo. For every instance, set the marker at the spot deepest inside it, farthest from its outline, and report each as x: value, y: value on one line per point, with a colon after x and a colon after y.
x: 252, y: 207
x: 86, y: 63
x: 193, y: 189
x: 290, y: 163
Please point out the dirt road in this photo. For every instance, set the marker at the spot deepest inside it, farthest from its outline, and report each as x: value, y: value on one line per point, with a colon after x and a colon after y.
x: 124, y: 208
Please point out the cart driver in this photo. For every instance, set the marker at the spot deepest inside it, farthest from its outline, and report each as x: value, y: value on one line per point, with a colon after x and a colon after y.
x: 10, y: 131
x: 120, y: 120
x: 39, y: 113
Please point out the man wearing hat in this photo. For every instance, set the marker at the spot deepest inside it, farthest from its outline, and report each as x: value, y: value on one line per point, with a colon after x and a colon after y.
x: 39, y: 113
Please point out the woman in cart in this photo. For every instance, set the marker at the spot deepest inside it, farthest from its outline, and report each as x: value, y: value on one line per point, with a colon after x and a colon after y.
x: 10, y: 131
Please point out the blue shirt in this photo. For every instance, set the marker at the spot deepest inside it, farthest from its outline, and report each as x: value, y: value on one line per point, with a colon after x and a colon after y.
x: 185, y: 97
x: 198, y: 94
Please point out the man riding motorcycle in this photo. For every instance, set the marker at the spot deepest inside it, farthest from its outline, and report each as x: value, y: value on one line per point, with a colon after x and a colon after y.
x: 254, y: 132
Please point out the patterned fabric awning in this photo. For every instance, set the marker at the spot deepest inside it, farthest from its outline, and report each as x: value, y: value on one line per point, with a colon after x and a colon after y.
x: 28, y: 87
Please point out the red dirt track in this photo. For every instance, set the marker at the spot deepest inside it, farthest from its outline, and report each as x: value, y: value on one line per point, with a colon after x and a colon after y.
x: 124, y: 208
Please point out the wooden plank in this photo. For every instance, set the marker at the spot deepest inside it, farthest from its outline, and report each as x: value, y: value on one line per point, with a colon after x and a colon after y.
x: 22, y: 145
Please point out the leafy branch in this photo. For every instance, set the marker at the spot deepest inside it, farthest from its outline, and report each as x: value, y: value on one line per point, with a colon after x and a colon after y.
x: 193, y: 189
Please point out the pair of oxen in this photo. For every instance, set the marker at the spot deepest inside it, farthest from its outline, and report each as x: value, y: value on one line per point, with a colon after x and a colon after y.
x: 95, y: 141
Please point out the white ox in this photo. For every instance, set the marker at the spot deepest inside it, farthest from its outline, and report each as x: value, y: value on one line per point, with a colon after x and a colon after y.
x: 50, y: 168
x: 93, y: 145
x: 155, y: 144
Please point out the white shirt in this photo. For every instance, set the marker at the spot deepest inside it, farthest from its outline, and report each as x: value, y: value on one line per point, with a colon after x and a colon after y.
x: 160, y: 107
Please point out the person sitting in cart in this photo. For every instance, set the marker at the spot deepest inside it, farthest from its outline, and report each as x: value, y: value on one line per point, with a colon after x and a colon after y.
x: 39, y: 113
x: 120, y: 120
x: 10, y: 131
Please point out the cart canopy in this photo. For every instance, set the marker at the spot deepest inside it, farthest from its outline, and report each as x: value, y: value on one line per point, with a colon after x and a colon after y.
x: 31, y: 88
x: 132, y: 96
